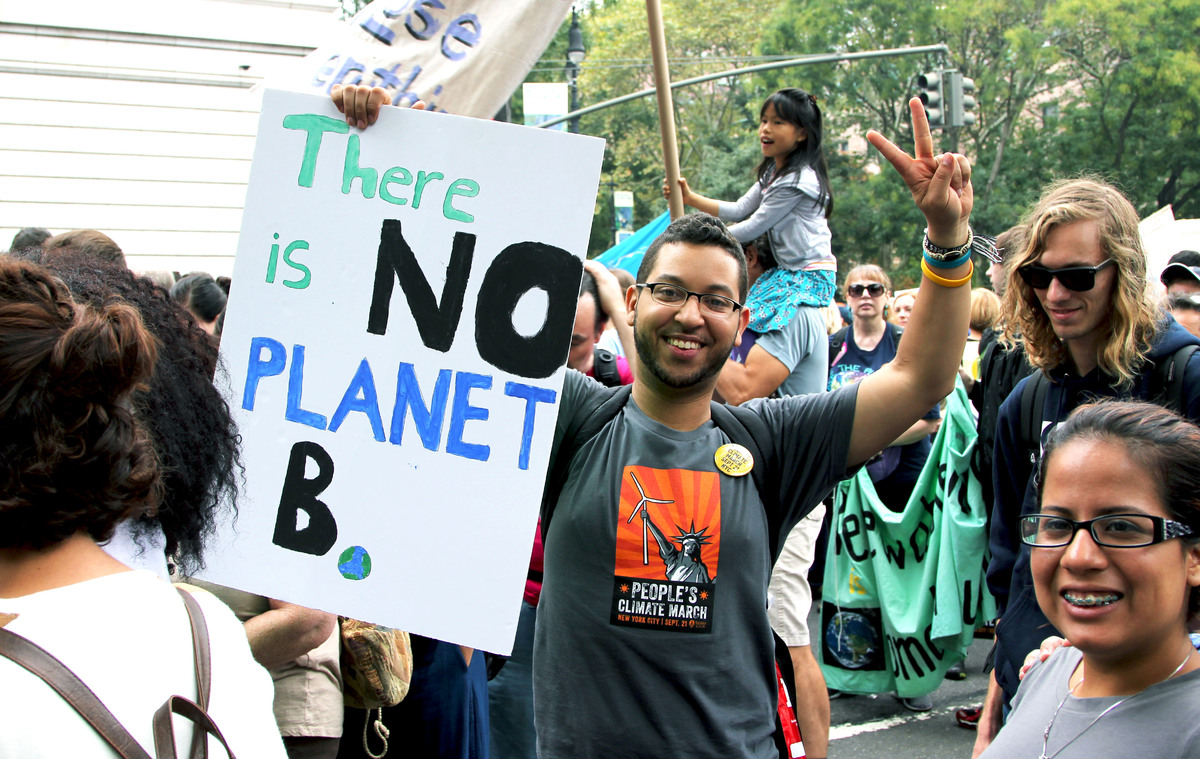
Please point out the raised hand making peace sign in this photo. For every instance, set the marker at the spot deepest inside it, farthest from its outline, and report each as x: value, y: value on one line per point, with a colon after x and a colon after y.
x: 940, y: 185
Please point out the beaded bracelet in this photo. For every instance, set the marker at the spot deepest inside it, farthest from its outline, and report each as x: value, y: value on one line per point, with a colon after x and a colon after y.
x: 939, y: 264
x: 939, y: 253
x: 939, y: 280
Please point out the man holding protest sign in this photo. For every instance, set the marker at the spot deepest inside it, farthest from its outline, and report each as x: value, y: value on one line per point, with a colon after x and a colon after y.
x: 634, y: 656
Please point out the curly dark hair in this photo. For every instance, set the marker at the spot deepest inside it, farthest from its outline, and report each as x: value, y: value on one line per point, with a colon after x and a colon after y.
x: 73, y: 457
x: 191, y: 425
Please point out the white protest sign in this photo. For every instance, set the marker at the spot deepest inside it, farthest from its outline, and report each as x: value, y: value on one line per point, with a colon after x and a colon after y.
x: 401, y: 311
x: 460, y: 56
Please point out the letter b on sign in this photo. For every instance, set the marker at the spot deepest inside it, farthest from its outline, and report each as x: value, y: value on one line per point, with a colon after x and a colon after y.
x: 300, y: 494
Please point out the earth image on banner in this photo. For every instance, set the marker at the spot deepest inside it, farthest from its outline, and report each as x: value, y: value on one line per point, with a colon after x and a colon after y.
x: 852, y: 639
x: 355, y: 563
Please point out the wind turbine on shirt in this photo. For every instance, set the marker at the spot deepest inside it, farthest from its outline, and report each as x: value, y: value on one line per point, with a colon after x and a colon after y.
x: 641, y: 506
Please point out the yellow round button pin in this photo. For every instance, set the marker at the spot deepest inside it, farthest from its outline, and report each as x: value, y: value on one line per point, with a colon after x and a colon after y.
x: 734, y: 460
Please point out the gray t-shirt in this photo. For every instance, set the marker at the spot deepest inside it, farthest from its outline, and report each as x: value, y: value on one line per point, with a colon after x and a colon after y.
x: 652, y: 635
x: 1160, y: 721
x: 802, y: 346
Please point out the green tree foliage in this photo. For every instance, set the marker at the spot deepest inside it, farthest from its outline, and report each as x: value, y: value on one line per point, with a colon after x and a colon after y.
x: 1064, y: 87
x: 998, y: 43
x: 1132, y: 109
x: 716, y: 122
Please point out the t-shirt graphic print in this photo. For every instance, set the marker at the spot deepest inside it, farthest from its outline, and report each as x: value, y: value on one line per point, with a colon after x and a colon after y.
x: 667, y: 549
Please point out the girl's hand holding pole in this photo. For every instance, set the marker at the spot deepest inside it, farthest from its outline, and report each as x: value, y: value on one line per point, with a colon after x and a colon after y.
x: 695, y: 200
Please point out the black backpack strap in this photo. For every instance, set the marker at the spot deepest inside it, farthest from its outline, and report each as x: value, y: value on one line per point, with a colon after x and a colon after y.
x: 1169, y: 379
x: 604, y: 367
x: 836, y: 341
x: 747, y: 429
x: 988, y: 357
x: 1033, y: 402
x: 580, y: 428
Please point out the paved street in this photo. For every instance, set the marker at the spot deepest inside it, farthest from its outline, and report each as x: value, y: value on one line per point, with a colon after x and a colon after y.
x: 879, y: 726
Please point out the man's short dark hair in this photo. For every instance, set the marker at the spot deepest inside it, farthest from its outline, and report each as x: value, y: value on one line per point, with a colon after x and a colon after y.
x: 588, y: 287
x: 30, y: 237
x: 698, y: 229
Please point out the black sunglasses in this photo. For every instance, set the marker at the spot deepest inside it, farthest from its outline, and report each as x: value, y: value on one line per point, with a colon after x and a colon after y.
x: 1078, y: 279
x: 874, y: 289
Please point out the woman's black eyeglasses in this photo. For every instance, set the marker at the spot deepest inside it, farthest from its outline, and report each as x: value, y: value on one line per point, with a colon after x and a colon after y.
x: 1112, y: 530
x: 674, y: 295
x: 1078, y: 279
x: 874, y: 289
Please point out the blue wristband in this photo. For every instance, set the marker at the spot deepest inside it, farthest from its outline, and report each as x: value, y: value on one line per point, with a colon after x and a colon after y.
x: 936, y: 264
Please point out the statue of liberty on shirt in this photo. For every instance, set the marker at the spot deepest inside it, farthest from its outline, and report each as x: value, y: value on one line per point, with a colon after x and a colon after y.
x: 684, y: 563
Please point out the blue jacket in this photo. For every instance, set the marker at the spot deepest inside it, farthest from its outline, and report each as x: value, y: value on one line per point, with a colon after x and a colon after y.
x: 1022, y: 626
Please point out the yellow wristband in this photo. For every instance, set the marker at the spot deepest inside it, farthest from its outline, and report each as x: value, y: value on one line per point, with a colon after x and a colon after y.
x: 933, y: 277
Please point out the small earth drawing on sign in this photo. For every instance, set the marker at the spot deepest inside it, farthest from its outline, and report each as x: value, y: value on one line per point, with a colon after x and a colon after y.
x: 355, y: 563
x: 852, y: 639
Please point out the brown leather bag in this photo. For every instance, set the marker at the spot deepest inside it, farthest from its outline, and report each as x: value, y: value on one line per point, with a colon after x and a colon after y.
x: 76, y: 693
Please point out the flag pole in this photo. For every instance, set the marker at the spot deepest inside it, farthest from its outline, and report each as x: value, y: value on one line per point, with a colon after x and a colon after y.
x: 666, y: 111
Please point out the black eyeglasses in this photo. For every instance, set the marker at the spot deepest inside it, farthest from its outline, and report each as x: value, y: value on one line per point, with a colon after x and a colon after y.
x: 674, y: 295
x: 874, y: 289
x: 1079, y: 279
x: 1112, y: 530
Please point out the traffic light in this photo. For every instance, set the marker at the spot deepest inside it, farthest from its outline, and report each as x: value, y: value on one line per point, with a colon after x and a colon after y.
x: 960, y: 105
x: 931, y: 97
x: 965, y: 115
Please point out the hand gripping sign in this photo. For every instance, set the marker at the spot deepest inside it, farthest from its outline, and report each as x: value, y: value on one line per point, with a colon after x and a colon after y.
x: 401, y: 311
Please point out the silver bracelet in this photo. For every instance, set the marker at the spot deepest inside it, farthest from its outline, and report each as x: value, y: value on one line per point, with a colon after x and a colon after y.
x: 938, y: 253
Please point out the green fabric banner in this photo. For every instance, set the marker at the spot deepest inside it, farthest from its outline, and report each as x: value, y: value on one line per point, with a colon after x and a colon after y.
x: 904, y: 592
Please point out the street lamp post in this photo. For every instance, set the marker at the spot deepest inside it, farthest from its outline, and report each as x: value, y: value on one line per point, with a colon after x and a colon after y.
x: 576, y: 52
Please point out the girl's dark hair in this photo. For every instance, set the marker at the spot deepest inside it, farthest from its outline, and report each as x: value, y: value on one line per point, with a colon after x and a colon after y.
x: 201, y: 295
x: 1163, y: 443
x: 798, y: 107
x: 189, y: 422
x: 72, y: 455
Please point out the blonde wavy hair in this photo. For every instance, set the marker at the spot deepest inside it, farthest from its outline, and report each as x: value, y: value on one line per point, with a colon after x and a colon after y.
x: 1131, y: 326
x: 985, y: 309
